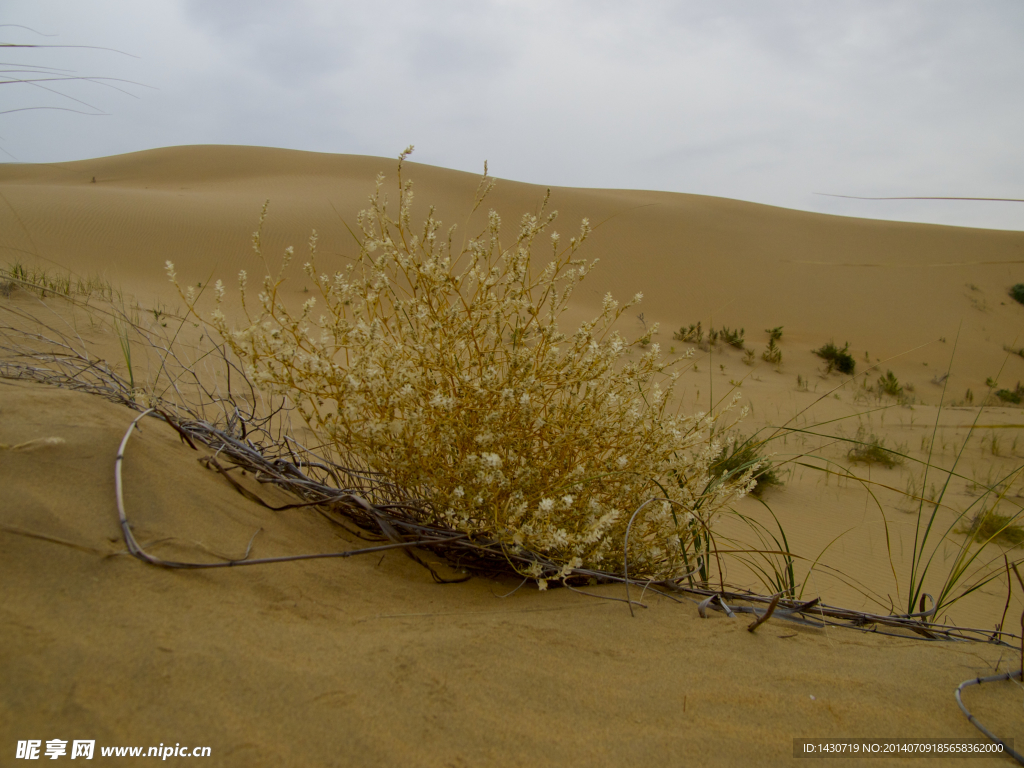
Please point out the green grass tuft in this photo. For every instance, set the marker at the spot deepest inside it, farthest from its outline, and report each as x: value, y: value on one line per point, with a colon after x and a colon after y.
x: 890, y: 385
x: 873, y: 451
x: 745, y: 452
x: 838, y: 359
x: 734, y: 337
x: 772, y: 353
x: 695, y: 335
x: 990, y: 525
x: 1015, y: 395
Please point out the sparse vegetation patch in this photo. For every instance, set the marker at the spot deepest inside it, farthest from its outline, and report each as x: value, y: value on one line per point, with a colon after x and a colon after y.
x: 889, y: 384
x: 1014, y: 396
x: 873, y: 451
x: 990, y: 525
x: 732, y: 337
x: 837, y: 359
x: 58, y: 283
x: 725, y: 335
x: 745, y: 454
x: 444, y: 369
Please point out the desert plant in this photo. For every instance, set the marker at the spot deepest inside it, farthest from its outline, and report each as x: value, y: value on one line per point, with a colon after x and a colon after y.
x: 772, y: 354
x: 58, y: 283
x: 693, y: 334
x: 1017, y: 293
x: 837, y: 359
x: 889, y: 384
x: 989, y: 525
x: 743, y: 454
x: 732, y: 336
x: 444, y: 370
x: 1014, y: 395
x: 873, y: 451
x: 774, y: 334
x: 725, y: 335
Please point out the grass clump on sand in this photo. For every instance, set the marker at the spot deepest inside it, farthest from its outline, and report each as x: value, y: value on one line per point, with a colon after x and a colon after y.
x: 1017, y: 293
x: 16, y: 274
x: 772, y: 354
x: 1015, y: 395
x: 694, y: 334
x: 837, y: 359
x: 732, y: 336
x: 889, y: 384
x: 744, y: 454
x: 989, y: 525
x: 443, y: 368
x: 873, y: 451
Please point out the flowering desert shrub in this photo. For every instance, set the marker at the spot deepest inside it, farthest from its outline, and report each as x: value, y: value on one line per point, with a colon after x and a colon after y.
x: 442, y: 367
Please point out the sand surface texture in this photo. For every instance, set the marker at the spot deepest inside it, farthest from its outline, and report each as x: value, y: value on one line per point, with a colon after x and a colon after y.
x: 366, y: 661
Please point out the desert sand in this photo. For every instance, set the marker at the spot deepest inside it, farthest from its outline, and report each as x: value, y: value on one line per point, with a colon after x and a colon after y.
x: 366, y: 661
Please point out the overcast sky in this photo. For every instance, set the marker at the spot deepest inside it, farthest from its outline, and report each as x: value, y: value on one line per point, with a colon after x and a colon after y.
x: 764, y: 101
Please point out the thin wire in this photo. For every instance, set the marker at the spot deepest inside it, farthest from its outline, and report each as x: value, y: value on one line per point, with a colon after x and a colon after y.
x: 975, y: 722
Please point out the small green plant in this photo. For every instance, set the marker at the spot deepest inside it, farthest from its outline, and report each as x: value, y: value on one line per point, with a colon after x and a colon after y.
x: 772, y: 353
x: 732, y: 337
x: 873, y: 451
x: 745, y: 454
x: 1017, y: 293
x: 693, y: 334
x: 989, y: 525
x: 991, y: 383
x: 1015, y: 395
x: 968, y: 396
x: 748, y: 357
x: 801, y: 383
x: 837, y: 359
x: 774, y: 334
x: 889, y: 384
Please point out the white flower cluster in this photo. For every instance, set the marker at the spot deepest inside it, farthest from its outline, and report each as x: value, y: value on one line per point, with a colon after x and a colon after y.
x: 446, y: 371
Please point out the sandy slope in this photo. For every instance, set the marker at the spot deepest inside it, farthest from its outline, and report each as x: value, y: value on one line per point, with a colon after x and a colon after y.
x: 359, y: 662
x: 367, y: 661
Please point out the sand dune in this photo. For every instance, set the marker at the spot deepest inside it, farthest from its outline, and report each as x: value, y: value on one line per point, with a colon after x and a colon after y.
x: 885, y: 287
x: 367, y: 661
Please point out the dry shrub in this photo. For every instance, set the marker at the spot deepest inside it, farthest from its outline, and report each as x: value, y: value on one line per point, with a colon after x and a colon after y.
x: 443, y: 368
